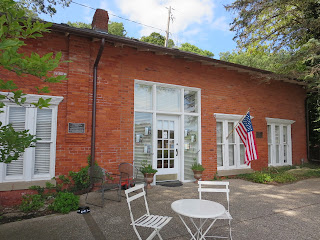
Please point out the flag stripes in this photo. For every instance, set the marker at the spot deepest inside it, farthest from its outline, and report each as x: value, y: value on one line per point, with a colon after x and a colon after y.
x: 245, y: 131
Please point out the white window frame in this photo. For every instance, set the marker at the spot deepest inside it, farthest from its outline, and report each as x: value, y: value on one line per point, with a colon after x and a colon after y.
x: 273, y: 122
x: 181, y: 115
x: 30, y: 123
x: 225, y: 119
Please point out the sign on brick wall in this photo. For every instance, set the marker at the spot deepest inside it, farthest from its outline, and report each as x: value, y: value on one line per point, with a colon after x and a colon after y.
x: 76, y: 127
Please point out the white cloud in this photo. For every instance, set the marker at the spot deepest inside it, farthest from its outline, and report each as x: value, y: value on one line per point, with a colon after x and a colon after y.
x: 188, y: 14
x: 221, y: 24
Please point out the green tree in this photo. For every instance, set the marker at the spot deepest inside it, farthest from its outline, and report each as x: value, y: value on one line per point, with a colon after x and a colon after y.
x: 194, y: 49
x: 114, y: 28
x: 157, y: 39
x: 14, y: 29
x: 293, y: 25
x: 44, y: 6
x: 79, y: 25
x: 260, y: 57
x: 117, y: 28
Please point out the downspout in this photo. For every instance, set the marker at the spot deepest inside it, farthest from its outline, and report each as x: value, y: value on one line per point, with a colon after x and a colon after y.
x: 307, y: 128
x: 94, y: 103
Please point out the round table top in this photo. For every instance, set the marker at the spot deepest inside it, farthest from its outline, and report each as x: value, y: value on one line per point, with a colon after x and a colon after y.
x: 197, y: 208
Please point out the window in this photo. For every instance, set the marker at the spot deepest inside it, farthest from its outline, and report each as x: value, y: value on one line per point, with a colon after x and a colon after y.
x: 37, y: 163
x: 161, y: 110
x: 279, y: 142
x: 230, y: 151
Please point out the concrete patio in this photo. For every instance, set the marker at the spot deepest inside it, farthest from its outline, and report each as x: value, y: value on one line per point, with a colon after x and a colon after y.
x: 290, y: 211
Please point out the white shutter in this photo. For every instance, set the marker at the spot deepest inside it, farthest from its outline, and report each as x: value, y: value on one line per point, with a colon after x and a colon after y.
x: 42, y: 151
x: 44, y: 121
x: 17, y: 116
x: 42, y: 158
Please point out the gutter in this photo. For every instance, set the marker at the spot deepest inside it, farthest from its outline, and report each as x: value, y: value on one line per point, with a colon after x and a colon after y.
x: 94, y: 104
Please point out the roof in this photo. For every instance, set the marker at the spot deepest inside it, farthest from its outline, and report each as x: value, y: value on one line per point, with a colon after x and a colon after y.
x: 161, y: 50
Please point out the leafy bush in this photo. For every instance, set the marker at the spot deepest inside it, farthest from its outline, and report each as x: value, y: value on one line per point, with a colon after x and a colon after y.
x: 81, y: 179
x: 65, y: 202
x: 284, y: 178
x: 31, y: 202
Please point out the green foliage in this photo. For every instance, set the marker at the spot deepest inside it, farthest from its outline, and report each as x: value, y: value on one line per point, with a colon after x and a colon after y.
x: 43, y: 6
x: 31, y: 202
x: 14, y: 29
x: 81, y: 179
x: 147, y: 168
x: 281, y: 174
x: 197, y: 166
x: 65, y: 202
x: 284, y: 178
x: 79, y: 25
x: 187, y: 47
x: 157, y: 39
x: 289, y: 26
x: 13, y: 143
x: 116, y: 28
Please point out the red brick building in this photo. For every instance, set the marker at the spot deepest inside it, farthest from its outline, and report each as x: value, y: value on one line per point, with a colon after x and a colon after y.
x: 152, y: 103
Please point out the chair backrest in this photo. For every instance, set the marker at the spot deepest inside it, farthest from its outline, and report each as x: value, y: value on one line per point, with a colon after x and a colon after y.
x: 127, y: 170
x: 214, y: 187
x: 96, y: 173
x: 136, y: 196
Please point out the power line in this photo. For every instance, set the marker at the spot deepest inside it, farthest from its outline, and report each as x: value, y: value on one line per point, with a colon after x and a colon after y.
x: 83, y: 5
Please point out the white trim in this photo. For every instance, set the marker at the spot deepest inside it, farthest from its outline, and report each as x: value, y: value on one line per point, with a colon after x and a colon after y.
x: 279, y: 121
x: 224, y: 119
x: 181, y: 113
x: 29, y: 155
x: 32, y: 98
x: 231, y: 117
x: 273, y: 122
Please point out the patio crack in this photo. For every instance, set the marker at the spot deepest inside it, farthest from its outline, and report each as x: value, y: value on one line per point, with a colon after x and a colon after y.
x: 93, y: 226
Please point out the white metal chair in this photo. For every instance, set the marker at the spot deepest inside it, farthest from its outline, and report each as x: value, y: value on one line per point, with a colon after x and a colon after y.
x: 217, y: 187
x: 149, y: 221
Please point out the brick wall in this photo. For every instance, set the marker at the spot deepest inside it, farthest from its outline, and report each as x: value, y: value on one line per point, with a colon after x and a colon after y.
x: 223, y: 91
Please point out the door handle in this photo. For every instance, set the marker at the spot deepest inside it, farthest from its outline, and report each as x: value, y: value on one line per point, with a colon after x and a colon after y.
x: 176, y: 151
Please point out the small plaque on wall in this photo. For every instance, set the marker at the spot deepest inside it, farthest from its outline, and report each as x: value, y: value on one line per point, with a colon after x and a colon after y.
x: 76, y: 127
x: 259, y: 134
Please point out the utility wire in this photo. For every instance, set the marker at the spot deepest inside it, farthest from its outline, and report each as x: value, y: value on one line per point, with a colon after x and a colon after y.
x: 83, y: 5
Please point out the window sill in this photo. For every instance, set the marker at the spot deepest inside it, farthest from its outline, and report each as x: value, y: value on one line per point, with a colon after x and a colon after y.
x: 233, y: 172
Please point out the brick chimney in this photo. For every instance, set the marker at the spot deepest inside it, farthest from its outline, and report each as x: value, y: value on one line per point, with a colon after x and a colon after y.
x: 100, y: 20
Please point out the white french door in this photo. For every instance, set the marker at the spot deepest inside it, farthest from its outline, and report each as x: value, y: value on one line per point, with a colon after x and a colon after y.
x: 167, y: 145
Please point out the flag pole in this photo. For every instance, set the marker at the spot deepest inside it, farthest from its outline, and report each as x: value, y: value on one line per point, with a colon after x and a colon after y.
x: 237, y: 124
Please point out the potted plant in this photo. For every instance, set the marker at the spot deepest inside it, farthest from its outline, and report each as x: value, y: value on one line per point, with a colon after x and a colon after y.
x: 197, y: 169
x: 148, y: 172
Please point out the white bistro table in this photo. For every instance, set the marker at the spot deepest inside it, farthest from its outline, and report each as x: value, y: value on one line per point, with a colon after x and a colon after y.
x: 201, y: 209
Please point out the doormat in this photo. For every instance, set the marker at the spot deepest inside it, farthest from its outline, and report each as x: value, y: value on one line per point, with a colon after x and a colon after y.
x: 170, y: 184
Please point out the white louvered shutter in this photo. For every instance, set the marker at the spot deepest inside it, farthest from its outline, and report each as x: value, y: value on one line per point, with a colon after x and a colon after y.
x: 17, y: 116
x: 43, y: 146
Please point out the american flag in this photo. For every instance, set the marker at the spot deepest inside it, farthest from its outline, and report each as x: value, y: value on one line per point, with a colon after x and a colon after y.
x: 245, y: 131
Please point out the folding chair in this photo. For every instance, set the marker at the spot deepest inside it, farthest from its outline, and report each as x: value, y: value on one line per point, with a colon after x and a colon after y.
x: 223, y: 188
x: 148, y: 221
x: 102, y: 181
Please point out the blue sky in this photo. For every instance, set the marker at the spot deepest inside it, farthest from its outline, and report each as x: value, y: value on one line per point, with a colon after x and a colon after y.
x: 204, y: 23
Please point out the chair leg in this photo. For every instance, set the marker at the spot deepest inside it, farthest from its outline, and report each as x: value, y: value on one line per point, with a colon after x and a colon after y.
x: 230, y: 229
